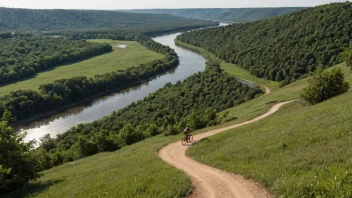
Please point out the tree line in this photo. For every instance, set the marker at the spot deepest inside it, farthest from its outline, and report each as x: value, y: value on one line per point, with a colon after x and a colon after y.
x: 23, y: 55
x: 27, y: 103
x: 194, y: 102
x: 14, y: 19
x: 224, y: 14
x: 126, y: 33
x: 284, y: 48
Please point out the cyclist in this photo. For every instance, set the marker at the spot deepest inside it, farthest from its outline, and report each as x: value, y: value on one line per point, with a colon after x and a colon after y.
x: 187, y: 132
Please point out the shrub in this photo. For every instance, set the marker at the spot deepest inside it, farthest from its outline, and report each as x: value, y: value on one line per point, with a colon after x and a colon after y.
x: 172, y: 130
x: 324, y: 85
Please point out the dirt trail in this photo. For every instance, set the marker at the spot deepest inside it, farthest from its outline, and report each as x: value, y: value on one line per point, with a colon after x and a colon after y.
x: 209, y: 181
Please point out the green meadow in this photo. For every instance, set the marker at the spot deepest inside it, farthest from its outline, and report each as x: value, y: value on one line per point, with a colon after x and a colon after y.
x: 121, y: 58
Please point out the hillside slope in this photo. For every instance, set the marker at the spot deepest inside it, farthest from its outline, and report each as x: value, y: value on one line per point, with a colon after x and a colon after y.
x: 284, y: 48
x: 130, y: 171
x: 45, y: 20
x: 298, y: 152
x: 223, y: 14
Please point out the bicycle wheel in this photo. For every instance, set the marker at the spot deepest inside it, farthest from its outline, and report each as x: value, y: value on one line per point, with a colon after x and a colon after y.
x: 190, y: 138
x: 184, y: 141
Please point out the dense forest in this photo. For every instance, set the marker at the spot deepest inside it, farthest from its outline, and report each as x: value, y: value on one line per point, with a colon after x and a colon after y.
x: 45, y: 20
x: 126, y: 33
x: 193, y: 102
x: 284, y: 48
x: 24, y: 55
x: 223, y: 14
x: 26, y: 103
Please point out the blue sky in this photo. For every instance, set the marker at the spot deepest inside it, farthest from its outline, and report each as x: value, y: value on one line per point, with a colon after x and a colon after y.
x: 138, y: 4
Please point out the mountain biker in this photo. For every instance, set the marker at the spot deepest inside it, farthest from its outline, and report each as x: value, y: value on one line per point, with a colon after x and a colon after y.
x: 187, y: 131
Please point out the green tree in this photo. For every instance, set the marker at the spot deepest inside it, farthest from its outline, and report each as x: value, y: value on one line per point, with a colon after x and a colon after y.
x: 153, y: 130
x: 324, y: 85
x: 86, y: 147
x: 17, y: 166
x: 47, y: 142
x: 130, y: 135
x: 348, y: 57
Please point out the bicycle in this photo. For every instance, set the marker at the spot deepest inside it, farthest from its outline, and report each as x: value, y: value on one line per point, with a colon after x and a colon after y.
x: 187, y: 139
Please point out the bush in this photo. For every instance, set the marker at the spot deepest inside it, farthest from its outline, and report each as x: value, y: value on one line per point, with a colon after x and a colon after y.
x: 172, y: 130
x: 130, y: 135
x: 324, y: 85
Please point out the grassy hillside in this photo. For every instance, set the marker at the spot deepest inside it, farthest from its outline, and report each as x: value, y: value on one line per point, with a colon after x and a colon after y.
x: 223, y: 14
x: 45, y: 20
x: 285, y: 48
x: 134, y: 171
x: 130, y: 171
x: 121, y: 58
x: 297, y: 152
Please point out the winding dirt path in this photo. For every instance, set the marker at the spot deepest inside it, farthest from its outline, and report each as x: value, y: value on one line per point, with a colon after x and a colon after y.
x: 209, y: 181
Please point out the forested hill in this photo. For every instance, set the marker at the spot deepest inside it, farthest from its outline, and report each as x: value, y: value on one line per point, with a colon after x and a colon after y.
x: 224, y: 14
x: 284, y: 48
x: 45, y: 20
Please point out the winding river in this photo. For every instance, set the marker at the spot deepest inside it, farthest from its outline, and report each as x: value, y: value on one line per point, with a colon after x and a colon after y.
x: 190, y: 63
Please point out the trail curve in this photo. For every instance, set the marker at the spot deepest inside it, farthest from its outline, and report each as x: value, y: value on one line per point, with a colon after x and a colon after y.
x: 210, y: 182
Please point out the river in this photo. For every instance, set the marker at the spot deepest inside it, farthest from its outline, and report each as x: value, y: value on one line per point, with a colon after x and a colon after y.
x: 190, y: 63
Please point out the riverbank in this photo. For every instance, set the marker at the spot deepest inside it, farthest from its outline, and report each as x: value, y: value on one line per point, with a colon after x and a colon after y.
x: 64, y: 108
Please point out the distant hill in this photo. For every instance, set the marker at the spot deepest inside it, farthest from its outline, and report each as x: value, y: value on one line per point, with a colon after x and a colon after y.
x: 284, y: 48
x: 46, y: 20
x: 223, y: 14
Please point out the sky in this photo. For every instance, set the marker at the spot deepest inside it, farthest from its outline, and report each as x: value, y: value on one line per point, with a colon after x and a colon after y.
x: 144, y: 4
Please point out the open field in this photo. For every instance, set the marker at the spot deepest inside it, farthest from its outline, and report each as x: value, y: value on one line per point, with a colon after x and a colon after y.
x: 297, y: 152
x: 121, y: 58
